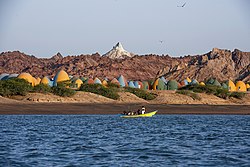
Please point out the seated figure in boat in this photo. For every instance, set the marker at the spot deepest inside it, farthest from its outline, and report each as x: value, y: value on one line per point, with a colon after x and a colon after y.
x: 130, y: 113
x: 143, y: 110
x: 138, y: 112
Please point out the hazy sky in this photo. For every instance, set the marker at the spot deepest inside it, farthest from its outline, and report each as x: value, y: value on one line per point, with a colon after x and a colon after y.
x: 72, y: 27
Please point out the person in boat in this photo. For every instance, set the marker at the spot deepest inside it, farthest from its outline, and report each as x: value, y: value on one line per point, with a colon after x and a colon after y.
x: 138, y: 112
x: 130, y: 113
x: 143, y: 110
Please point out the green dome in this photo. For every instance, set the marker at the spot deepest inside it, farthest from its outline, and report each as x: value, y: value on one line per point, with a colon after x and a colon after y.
x: 224, y: 85
x: 172, y: 85
x: 216, y: 83
x: 210, y: 81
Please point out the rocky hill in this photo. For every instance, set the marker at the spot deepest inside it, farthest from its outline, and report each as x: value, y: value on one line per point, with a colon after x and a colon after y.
x: 118, y: 52
x: 222, y: 64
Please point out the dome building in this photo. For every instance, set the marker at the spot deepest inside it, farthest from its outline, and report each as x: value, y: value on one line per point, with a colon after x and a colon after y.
x: 12, y: 76
x: 122, y: 81
x: 27, y: 77
x: 216, y: 83
x: 241, y: 86
x: 3, y: 76
x: 172, y: 85
x: 78, y: 83
x: 202, y: 84
x: 115, y: 81
x: 159, y: 84
x: 131, y: 84
x: 104, y: 83
x: 90, y: 81
x: 60, y: 77
x: 188, y: 80
x: 45, y: 81
x: 194, y: 82
x: 97, y: 81
x: 231, y: 86
x: 136, y: 83
x: 248, y: 87
x: 145, y: 85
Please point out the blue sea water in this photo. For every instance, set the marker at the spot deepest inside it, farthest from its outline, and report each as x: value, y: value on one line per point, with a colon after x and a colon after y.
x: 108, y: 140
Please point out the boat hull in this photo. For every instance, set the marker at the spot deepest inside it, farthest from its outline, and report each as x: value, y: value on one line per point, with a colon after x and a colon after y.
x: 150, y: 114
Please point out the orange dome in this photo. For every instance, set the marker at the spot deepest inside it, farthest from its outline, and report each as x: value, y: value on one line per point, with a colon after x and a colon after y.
x: 241, y: 86
x: 115, y: 81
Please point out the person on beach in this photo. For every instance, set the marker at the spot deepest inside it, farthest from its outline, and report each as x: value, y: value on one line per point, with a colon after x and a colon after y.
x: 143, y: 110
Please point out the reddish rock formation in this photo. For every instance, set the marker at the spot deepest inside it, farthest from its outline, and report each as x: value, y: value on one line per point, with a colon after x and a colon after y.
x: 222, y: 64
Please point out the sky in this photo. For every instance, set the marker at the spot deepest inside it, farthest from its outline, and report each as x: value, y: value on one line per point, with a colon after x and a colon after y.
x: 73, y: 27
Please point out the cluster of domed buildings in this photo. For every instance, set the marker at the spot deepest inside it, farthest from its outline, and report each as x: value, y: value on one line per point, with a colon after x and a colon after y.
x: 158, y: 84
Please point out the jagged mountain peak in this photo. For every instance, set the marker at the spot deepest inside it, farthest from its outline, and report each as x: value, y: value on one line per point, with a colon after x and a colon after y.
x: 118, y: 52
x: 118, y: 46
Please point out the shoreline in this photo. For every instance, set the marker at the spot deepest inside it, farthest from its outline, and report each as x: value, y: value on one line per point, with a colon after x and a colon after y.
x: 88, y: 109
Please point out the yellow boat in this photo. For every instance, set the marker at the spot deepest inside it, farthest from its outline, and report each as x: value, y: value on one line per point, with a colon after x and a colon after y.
x: 150, y: 114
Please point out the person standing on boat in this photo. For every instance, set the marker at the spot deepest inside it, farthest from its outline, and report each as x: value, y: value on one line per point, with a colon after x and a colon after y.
x: 143, y: 110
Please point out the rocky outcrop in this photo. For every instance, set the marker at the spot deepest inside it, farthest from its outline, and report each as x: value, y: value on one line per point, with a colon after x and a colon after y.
x: 218, y: 63
x: 57, y: 57
x: 117, y: 52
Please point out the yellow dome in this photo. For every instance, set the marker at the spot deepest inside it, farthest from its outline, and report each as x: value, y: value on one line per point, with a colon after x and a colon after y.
x: 38, y: 80
x: 45, y: 81
x: 241, y: 86
x: 60, y: 77
x: 155, y: 84
x: 231, y: 86
x: 78, y: 83
x: 248, y: 86
x: 202, y: 83
x: 34, y: 81
x: 27, y: 77
x: 104, y: 83
x: 188, y: 79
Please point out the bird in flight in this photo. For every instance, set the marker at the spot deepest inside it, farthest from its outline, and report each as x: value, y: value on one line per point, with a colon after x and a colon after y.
x: 161, y: 41
x: 182, y: 5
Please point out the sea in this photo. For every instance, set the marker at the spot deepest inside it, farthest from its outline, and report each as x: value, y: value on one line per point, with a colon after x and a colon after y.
x: 108, y: 140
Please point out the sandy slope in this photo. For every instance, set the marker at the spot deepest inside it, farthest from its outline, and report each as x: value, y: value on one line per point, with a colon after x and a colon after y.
x: 164, y: 97
x: 7, y: 100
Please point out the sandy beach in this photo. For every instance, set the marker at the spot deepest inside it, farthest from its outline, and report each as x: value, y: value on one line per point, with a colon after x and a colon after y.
x: 167, y: 102
x: 79, y: 108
